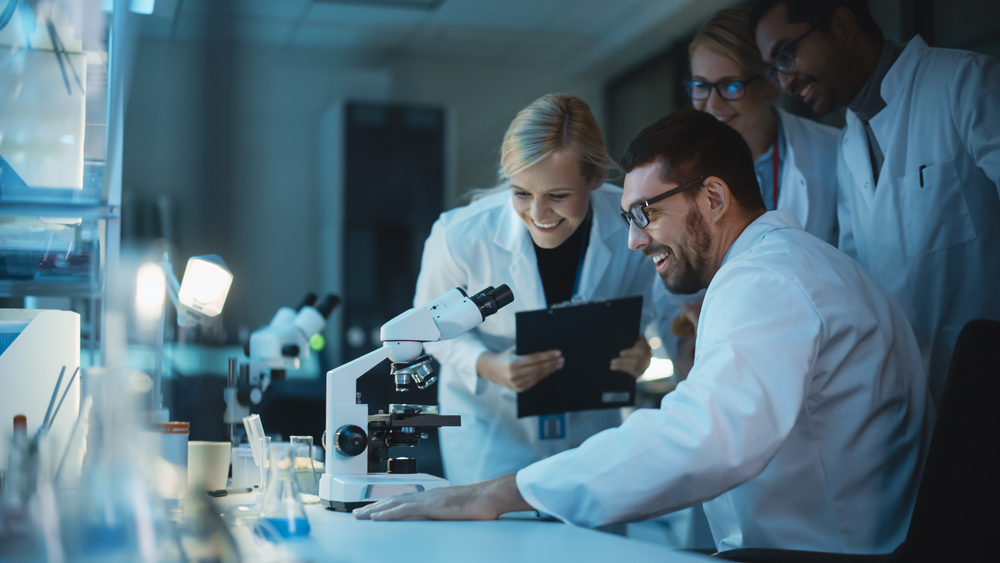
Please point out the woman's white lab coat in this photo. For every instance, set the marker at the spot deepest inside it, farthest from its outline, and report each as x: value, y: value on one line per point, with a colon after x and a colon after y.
x: 808, y: 188
x: 929, y: 230
x: 485, y: 243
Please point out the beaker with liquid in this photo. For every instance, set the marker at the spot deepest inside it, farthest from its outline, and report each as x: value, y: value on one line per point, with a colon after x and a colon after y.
x: 282, y: 508
x: 305, y: 472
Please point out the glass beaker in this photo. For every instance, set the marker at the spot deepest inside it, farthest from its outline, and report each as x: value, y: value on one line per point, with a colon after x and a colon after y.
x: 282, y: 507
x: 305, y: 472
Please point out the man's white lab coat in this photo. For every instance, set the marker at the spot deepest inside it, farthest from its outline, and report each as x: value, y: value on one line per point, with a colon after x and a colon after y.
x: 803, y: 424
x: 807, y: 187
x: 929, y: 231
x: 486, y: 243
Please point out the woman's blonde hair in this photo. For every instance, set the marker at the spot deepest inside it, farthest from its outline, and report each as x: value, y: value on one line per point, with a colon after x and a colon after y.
x: 551, y: 124
x: 728, y: 34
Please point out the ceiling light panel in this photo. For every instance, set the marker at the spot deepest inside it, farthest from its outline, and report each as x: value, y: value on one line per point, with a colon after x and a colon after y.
x: 421, y: 5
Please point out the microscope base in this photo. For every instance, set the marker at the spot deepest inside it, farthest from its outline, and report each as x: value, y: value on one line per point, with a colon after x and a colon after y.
x: 347, y: 492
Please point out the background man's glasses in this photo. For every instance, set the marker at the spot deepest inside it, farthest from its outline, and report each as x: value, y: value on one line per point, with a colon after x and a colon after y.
x: 785, y: 61
x: 731, y: 90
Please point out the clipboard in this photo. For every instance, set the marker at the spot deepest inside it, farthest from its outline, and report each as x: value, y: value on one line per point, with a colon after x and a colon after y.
x: 590, y: 335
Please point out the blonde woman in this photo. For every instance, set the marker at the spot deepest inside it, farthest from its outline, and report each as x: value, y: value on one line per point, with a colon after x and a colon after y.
x: 794, y: 158
x: 554, y: 234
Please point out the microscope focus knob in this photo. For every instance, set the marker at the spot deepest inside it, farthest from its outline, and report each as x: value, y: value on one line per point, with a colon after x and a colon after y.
x: 350, y: 440
x: 401, y: 465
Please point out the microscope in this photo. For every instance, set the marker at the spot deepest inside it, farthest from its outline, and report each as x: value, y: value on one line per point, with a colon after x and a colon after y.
x: 355, y: 442
x: 272, y: 351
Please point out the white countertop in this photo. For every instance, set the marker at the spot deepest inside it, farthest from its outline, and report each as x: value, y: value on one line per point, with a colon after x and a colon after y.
x: 337, y: 536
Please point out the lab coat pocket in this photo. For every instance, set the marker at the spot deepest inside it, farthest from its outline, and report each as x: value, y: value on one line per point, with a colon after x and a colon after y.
x: 934, y: 211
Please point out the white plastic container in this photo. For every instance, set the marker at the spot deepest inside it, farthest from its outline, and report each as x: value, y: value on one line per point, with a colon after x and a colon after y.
x: 208, y: 465
x: 246, y: 474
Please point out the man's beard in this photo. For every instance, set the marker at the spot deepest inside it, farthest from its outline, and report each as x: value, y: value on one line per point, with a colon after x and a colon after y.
x: 690, y: 273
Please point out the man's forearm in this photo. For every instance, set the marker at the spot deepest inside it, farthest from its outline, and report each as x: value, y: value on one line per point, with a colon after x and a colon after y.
x: 504, y: 494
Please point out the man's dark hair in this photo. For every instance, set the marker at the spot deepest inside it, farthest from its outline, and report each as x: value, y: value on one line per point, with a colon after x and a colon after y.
x: 818, y: 13
x: 691, y: 144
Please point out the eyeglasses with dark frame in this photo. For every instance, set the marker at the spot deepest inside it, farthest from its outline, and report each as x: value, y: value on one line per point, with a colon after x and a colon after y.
x: 637, y: 212
x: 730, y: 90
x: 785, y: 61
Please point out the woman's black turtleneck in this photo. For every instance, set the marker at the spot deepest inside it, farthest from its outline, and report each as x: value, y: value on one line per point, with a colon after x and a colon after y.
x: 558, y: 266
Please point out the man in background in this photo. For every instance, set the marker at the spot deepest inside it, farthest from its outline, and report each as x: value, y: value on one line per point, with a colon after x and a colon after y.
x: 918, y: 163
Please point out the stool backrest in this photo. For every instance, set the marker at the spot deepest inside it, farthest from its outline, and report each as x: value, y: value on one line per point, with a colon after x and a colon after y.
x: 957, y: 510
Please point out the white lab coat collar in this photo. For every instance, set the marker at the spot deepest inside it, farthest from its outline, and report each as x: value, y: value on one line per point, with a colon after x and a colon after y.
x: 855, y: 148
x: 770, y: 221
x: 513, y: 236
x: 599, y: 253
x: 900, y: 71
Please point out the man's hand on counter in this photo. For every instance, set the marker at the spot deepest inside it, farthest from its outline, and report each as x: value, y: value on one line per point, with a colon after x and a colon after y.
x: 480, y: 501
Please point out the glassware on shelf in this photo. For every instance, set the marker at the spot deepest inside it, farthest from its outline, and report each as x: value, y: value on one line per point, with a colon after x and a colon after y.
x: 305, y: 472
x: 49, y: 254
x: 282, y: 511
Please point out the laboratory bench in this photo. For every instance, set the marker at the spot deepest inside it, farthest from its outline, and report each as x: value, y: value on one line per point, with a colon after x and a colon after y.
x: 338, y: 536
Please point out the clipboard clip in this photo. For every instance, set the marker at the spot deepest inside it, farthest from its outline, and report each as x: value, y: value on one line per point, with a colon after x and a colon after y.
x: 576, y: 300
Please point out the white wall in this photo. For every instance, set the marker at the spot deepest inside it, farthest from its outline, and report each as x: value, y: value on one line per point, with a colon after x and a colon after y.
x: 482, y: 99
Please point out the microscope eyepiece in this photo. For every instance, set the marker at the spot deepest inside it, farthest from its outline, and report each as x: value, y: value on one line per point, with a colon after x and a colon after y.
x: 309, y: 299
x: 491, y: 300
x: 328, y: 305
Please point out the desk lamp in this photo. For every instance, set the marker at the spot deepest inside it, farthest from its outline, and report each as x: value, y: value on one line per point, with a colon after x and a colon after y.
x: 198, y: 298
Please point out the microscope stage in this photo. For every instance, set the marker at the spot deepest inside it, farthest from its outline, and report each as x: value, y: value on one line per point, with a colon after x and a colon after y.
x: 347, y: 492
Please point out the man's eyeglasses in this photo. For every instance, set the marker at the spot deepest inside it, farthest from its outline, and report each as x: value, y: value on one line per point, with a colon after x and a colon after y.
x: 637, y: 212
x: 785, y: 61
x: 731, y: 90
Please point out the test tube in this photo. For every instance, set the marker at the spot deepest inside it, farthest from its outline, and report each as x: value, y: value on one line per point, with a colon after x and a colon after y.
x: 265, y: 451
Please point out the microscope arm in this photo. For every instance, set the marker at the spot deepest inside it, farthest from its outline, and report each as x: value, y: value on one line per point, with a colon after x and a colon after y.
x: 342, y: 381
x: 344, y: 411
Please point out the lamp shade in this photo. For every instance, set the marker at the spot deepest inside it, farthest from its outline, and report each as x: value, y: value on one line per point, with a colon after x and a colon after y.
x: 205, y: 285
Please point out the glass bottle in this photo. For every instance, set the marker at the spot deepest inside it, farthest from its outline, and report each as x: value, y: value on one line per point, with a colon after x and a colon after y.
x: 22, y: 467
x: 282, y: 508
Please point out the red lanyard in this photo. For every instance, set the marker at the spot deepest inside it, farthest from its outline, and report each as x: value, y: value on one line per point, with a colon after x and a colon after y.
x: 775, y: 159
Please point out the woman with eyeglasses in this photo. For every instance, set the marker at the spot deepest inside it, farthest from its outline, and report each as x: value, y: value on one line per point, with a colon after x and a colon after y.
x: 552, y: 232
x: 794, y: 157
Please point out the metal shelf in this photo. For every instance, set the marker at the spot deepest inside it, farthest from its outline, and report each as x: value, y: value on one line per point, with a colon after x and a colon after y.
x: 45, y: 209
x: 46, y: 288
